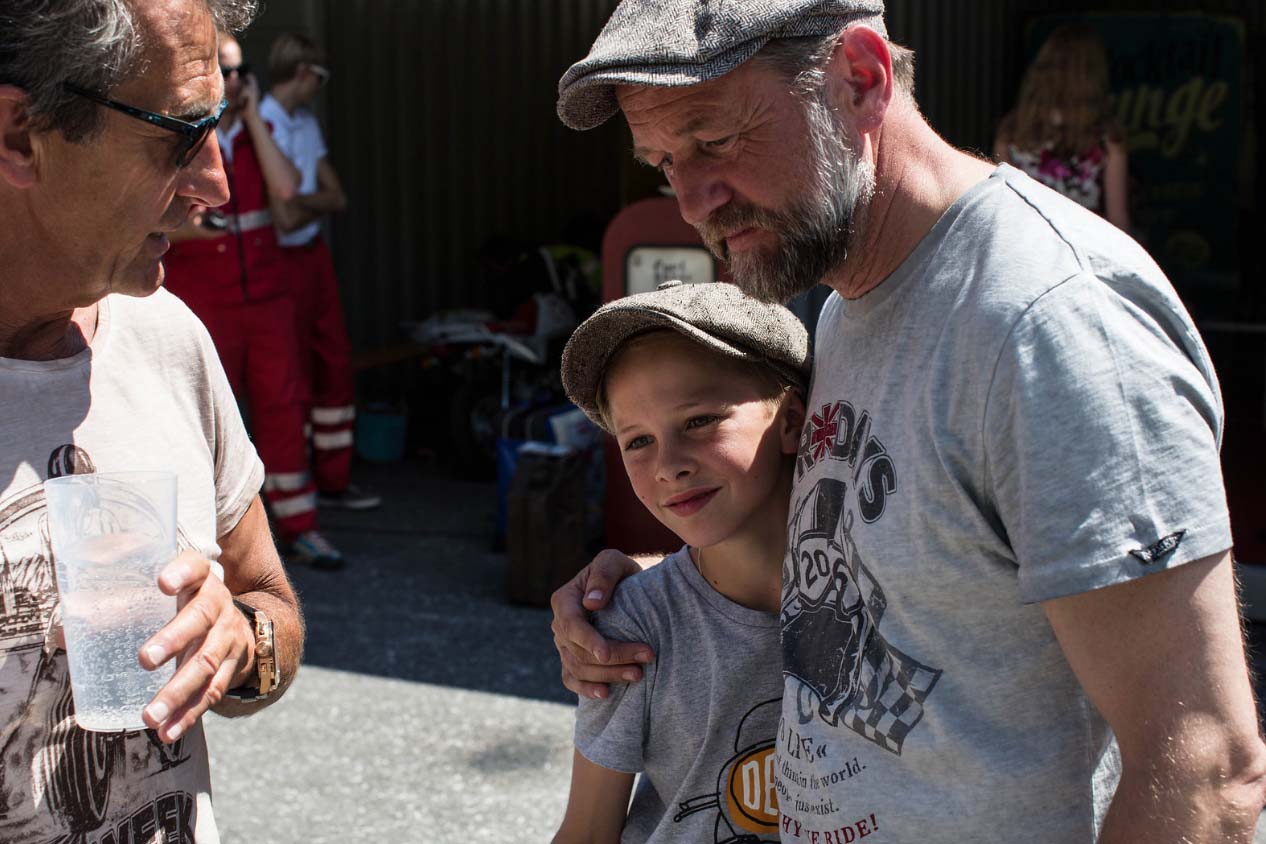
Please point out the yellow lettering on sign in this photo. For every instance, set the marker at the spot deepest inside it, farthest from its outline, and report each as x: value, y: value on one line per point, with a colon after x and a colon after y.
x: 1163, y: 122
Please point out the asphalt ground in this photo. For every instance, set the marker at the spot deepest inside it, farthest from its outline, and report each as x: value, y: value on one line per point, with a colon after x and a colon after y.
x: 428, y: 708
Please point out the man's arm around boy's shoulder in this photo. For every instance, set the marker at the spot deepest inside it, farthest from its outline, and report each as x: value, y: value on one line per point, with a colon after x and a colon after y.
x: 579, y: 644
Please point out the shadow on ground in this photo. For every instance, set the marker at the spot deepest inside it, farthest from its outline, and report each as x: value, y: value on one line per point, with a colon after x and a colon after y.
x: 423, y: 595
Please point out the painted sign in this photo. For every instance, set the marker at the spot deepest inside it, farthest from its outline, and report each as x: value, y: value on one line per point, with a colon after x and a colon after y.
x: 1178, y: 88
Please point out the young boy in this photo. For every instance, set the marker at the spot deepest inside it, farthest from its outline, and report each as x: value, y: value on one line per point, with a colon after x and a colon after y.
x: 703, y: 389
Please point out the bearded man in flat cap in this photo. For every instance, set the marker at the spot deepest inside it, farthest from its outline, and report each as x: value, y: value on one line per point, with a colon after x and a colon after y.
x: 1008, y: 604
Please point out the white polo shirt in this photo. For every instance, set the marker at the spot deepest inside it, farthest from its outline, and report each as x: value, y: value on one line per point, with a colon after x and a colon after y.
x: 299, y: 137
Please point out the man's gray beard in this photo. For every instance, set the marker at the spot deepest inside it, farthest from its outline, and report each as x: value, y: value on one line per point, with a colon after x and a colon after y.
x: 814, y: 235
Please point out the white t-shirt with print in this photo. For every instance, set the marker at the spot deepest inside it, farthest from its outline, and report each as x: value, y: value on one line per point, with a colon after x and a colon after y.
x: 148, y: 394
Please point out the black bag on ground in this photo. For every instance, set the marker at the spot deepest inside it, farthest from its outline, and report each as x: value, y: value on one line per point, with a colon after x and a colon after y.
x: 546, y: 528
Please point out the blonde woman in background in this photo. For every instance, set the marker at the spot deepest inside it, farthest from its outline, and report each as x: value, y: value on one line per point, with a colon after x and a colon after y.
x: 1062, y: 132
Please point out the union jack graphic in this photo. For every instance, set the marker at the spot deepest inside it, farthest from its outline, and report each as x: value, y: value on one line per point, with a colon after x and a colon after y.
x: 824, y: 425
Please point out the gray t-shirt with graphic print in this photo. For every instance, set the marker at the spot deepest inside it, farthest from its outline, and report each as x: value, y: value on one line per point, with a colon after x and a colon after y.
x: 1022, y: 411
x: 700, y: 726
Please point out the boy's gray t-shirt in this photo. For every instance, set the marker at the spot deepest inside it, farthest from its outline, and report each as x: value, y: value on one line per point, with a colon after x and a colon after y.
x: 1023, y: 411
x: 700, y: 726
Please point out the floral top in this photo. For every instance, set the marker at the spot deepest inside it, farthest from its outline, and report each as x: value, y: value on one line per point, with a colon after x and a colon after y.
x: 1078, y: 177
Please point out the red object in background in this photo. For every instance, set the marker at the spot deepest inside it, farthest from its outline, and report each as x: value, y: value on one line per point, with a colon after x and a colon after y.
x: 325, y: 358
x: 645, y: 244
x: 236, y: 284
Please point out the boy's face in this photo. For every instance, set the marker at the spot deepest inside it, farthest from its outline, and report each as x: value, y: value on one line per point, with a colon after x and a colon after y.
x: 705, y: 450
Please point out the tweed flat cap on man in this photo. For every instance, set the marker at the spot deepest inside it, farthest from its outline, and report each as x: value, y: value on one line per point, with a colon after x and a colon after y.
x: 675, y: 43
x: 717, y: 315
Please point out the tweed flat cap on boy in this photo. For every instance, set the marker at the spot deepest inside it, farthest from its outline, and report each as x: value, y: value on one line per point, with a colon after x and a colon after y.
x: 675, y: 43
x: 717, y: 315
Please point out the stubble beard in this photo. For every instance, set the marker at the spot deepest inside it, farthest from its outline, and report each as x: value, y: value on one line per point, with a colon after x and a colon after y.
x: 815, y: 233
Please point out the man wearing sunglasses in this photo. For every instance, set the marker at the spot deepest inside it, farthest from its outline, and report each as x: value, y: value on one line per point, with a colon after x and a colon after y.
x: 107, y: 111
x: 227, y: 266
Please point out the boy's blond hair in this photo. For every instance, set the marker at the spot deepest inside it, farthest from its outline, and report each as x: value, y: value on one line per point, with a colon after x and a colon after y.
x: 772, y: 385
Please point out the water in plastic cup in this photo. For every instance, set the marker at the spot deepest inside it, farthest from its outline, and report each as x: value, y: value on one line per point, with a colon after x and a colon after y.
x: 112, y: 534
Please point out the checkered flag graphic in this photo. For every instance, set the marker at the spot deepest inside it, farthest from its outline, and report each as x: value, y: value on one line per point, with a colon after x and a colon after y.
x: 894, y: 687
x: 891, y: 685
x: 865, y: 684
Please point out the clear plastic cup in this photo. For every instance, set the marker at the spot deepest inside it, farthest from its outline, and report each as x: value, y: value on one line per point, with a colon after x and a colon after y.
x: 112, y: 534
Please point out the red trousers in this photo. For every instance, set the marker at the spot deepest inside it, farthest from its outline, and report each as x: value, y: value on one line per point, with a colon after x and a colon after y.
x: 257, y: 346
x: 325, y: 361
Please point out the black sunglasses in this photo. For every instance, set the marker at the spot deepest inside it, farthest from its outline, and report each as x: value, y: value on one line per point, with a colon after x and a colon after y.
x: 241, y: 70
x: 195, y: 134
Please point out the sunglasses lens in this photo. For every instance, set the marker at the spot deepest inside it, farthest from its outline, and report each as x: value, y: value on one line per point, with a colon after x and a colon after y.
x: 190, y: 150
x: 195, y: 143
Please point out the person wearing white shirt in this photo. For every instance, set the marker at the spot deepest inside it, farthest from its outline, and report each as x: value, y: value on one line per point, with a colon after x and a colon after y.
x: 297, y: 71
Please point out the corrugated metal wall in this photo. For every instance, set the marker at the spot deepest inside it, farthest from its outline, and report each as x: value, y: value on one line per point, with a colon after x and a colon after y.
x: 306, y: 16
x: 959, y: 48
x: 443, y: 130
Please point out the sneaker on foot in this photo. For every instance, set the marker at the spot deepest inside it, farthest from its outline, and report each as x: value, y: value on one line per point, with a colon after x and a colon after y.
x: 352, y: 498
x: 313, y: 549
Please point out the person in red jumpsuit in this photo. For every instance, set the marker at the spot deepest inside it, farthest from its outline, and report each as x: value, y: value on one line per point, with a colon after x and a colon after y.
x: 225, y: 263
x: 297, y: 71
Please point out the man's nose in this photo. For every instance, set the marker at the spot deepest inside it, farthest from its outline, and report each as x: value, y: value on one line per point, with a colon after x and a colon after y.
x: 700, y: 188
x: 206, y: 182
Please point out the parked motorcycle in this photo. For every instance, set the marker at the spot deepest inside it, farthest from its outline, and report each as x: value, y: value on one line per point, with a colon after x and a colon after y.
x: 493, y: 371
x: 495, y: 366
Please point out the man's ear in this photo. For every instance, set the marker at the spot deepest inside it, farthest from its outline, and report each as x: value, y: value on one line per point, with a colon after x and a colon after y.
x: 793, y: 414
x: 17, y: 152
x: 859, y: 77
